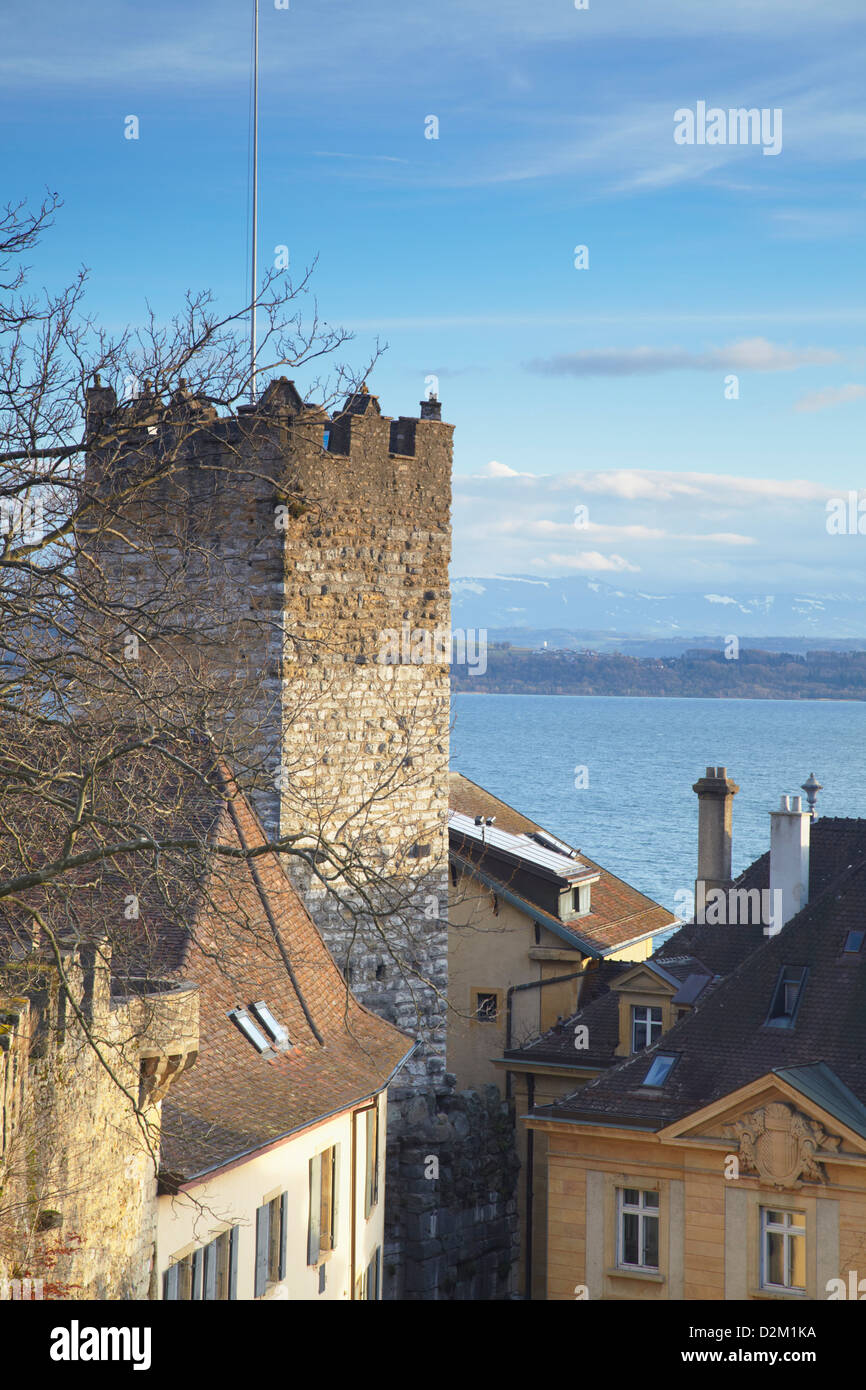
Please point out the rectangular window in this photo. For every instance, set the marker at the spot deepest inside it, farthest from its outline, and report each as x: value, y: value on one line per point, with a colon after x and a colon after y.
x: 646, y: 1027
x: 783, y: 1249
x: 216, y: 1269
x: 637, y: 1229
x: 486, y: 1007
x: 371, y: 1185
x: 209, y: 1273
x: 324, y: 1180
x: 271, y: 1239
x: 660, y: 1069
x: 371, y: 1285
x: 786, y: 999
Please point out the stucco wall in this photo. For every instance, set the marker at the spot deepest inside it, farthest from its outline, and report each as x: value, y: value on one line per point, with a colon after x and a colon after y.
x: 230, y: 1198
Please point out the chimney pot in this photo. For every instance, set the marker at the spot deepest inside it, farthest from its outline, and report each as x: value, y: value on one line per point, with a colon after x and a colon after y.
x: 790, y: 830
x: 715, y: 829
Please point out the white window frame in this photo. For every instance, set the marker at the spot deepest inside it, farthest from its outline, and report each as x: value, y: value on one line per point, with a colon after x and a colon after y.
x: 648, y: 1024
x: 644, y: 1212
x: 789, y: 1232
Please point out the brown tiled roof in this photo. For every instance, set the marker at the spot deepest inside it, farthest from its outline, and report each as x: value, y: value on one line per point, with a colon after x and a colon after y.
x: 234, y: 1099
x: 725, y: 1042
x: 619, y: 913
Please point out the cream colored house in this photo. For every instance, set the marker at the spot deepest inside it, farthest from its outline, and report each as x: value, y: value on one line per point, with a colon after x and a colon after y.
x: 301, y: 1219
x: 272, y: 1164
x: 528, y: 915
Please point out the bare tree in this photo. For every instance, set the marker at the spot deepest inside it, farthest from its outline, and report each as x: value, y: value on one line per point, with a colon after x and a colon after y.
x: 130, y: 665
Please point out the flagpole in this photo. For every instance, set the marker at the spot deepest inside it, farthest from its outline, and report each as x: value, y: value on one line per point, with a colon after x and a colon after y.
x: 255, y: 216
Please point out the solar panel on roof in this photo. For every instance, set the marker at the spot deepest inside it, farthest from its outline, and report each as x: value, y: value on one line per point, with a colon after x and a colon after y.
x: 520, y: 846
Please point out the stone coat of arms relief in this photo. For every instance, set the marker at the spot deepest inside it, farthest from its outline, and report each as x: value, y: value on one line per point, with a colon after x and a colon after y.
x: 783, y: 1146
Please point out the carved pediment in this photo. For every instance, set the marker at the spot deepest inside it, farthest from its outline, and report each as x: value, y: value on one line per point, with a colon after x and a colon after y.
x: 784, y: 1147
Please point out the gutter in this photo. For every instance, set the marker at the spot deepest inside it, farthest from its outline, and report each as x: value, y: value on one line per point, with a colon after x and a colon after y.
x: 241, y: 1157
x: 529, y: 909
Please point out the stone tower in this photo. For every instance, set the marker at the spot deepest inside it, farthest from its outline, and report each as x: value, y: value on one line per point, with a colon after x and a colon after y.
x: 307, y: 547
x: 308, y: 554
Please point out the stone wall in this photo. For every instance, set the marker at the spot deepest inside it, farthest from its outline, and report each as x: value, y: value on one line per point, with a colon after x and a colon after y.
x: 455, y: 1233
x: 79, y: 1214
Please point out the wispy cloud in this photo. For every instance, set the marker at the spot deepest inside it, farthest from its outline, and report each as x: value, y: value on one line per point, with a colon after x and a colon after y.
x: 381, y: 158
x: 828, y: 398
x: 587, y: 560
x: 750, y: 354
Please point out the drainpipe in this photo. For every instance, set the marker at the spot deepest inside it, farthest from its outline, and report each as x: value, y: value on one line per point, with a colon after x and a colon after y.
x: 530, y: 1097
x: 516, y: 989
x: 530, y: 1195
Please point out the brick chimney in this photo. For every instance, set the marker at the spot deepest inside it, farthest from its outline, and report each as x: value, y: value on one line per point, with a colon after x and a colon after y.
x: 716, y: 794
x: 431, y: 408
x: 790, y: 829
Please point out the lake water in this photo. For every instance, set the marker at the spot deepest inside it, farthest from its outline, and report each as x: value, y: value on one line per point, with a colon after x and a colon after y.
x: 638, y: 814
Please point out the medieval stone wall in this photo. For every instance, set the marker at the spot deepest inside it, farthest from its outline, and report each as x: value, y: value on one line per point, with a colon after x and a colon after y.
x: 77, y: 1172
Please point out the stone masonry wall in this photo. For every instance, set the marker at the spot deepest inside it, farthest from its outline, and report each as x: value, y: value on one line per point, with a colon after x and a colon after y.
x: 79, y: 1214
x: 455, y: 1231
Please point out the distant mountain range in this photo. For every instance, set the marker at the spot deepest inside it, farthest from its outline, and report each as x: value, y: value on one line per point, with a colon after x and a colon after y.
x: 575, y: 611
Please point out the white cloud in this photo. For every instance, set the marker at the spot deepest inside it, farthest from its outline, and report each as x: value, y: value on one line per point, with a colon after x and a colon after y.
x: 501, y: 470
x: 829, y: 397
x: 586, y: 560
x: 749, y: 354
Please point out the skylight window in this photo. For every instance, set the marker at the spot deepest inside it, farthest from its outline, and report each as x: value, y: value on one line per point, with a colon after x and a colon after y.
x: 241, y: 1019
x: 278, y: 1031
x: 787, y: 996
x: 660, y: 1069
x: 854, y: 941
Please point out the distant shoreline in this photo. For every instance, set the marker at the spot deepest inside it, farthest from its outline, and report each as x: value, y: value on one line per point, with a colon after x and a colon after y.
x: 700, y: 674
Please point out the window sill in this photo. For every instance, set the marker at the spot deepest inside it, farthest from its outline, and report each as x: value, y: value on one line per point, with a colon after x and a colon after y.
x: 793, y: 1294
x: 650, y: 1275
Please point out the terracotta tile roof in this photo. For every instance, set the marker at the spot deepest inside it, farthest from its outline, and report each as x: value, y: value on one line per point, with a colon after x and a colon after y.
x: 234, y: 1099
x: 619, y: 913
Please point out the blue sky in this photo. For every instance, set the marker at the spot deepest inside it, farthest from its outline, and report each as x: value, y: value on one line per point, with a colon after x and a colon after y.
x: 555, y: 130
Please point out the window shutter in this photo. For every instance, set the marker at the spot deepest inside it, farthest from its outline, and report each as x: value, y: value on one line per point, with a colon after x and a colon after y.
x: 233, y: 1262
x: 210, y: 1271
x: 335, y: 1197
x: 262, y: 1233
x: 313, y: 1238
x: 169, y: 1282
x: 372, y: 1182
x: 284, y: 1231
x: 197, y: 1261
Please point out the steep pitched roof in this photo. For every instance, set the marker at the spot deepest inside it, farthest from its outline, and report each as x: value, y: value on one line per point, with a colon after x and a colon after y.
x: 726, y: 1043
x: 261, y: 944
x: 619, y: 913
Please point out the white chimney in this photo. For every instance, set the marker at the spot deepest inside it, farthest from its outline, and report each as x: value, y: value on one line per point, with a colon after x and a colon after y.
x: 789, y: 859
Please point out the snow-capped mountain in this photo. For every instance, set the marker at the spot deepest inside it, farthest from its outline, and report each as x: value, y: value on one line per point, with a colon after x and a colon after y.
x: 578, y: 604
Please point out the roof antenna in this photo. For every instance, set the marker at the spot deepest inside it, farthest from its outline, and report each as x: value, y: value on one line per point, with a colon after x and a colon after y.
x: 255, y: 213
